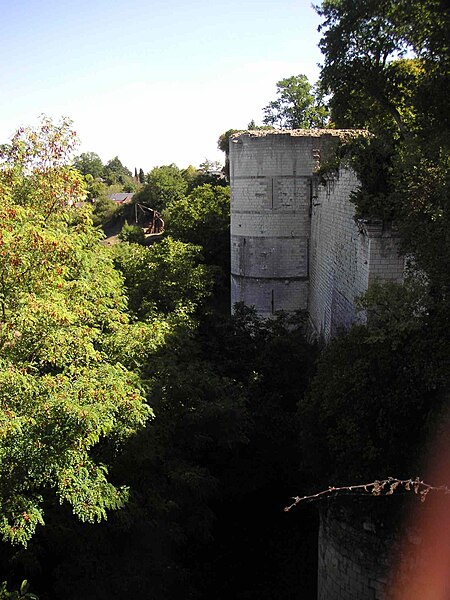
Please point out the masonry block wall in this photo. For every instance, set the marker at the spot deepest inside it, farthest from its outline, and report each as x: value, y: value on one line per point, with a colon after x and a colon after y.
x: 367, y: 557
x: 353, y: 560
x: 294, y: 242
x: 270, y: 220
x: 340, y: 256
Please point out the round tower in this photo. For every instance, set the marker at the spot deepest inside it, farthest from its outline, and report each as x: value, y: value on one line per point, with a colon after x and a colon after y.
x: 270, y: 176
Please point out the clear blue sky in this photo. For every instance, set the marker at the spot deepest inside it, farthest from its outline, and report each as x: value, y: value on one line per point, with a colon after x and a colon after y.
x: 153, y: 81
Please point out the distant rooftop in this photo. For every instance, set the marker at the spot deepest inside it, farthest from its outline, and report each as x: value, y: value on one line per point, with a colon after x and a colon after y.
x: 122, y: 197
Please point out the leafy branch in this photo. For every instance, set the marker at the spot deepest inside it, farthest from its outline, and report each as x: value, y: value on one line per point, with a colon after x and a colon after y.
x: 385, y: 487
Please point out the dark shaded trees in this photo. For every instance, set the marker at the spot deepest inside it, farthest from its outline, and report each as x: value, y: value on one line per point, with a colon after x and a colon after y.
x: 164, y: 277
x: 362, y: 42
x: 380, y: 388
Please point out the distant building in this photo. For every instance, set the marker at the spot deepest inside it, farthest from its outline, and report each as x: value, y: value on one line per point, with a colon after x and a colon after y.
x: 122, y: 198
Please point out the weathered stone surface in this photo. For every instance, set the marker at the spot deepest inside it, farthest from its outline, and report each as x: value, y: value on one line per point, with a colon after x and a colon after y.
x: 295, y: 243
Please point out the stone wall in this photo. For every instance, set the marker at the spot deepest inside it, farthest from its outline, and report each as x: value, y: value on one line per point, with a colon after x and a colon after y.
x: 353, y: 558
x: 294, y: 242
x: 345, y: 256
x: 270, y: 220
x: 368, y: 554
x: 339, y: 257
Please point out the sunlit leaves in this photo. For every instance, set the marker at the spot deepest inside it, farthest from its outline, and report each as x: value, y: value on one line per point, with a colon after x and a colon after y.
x: 296, y: 106
x: 63, y: 387
x: 164, y: 277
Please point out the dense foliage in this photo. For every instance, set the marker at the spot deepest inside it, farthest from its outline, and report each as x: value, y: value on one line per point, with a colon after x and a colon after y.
x: 380, y: 388
x: 203, y: 218
x: 298, y: 106
x: 164, y: 184
x: 244, y: 414
x: 62, y: 307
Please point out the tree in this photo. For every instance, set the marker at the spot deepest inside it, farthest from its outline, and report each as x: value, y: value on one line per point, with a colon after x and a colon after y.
x: 362, y: 42
x: 16, y: 594
x: 403, y: 170
x: 210, y: 172
x: 404, y: 174
x: 165, y: 277
x: 141, y: 176
x: 203, y: 218
x: 116, y: 172
x: 89, y: 163
x: 132, y: 233
x: 63, y: 389
x: 164, y: 184
x: 297, y: 106
x: 223, y: 143
x: 378, y: 391
x: 35, y: 168
x: 104, y: 210
x: 252, y: 126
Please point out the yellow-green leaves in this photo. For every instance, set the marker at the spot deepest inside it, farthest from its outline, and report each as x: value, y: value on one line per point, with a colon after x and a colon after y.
x: 63, y: 388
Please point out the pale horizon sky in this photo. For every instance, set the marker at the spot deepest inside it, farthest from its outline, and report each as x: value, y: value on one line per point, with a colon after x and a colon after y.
x: 154, y: 82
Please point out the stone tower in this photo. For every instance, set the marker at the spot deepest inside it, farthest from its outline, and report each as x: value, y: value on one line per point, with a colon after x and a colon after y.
x: 294, y: 242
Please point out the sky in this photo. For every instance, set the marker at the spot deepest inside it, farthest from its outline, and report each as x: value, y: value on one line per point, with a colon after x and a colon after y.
x: 152, y: 81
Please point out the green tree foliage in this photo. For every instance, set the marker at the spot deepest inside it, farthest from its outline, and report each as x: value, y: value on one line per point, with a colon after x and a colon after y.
x: 174, y: 469
x: 16, y: 594
x: 223, y: 143
x: 164, y: 184
x: 132, y: 233
x: 35, y: 169
x: 362, y: 42
x: 95, y: 188
x: 425, y: 218
x: 116, y: 173
x: 379, y: 388
x: 63, y: 389
x: 84, y: 353
x: 141, y: 176
x: 190, y: 174
x: 104, y: 210
x: 377, y: 392
x: 403, y: 171
x: 296, y: 107
x: 203, y: 218
x: 225, y: 429
x: 208, y: 172
x: 164, y: 277
x: 89, y: 163
x: 252, y: 126
x: 273, y: 362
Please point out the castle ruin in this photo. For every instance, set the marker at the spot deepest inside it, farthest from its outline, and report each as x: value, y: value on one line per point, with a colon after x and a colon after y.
x: 295, y: 244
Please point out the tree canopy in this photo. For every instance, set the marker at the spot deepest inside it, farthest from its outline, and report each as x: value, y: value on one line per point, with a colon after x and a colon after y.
x: 297, y: 105
x: 203, y: 217
x: 63, y: 389
x: 380, y: 388
x: 164, y: 184
x: 362, y: 43
x: 89, y: 163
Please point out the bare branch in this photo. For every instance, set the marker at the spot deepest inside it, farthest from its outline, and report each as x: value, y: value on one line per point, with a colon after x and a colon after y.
x: 385, y: 487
